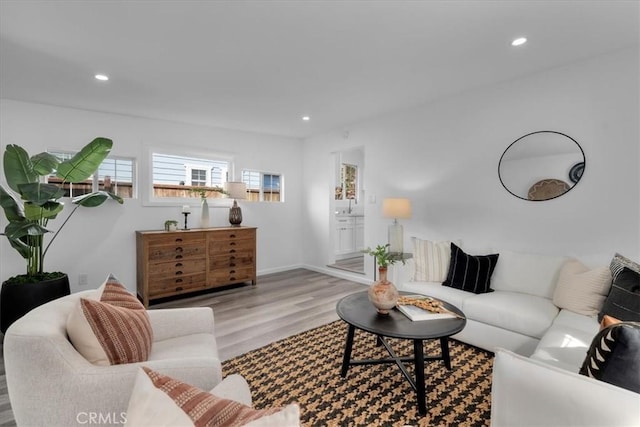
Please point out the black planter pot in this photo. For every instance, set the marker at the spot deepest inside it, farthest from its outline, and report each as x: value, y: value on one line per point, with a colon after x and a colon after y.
x: 17, y: 299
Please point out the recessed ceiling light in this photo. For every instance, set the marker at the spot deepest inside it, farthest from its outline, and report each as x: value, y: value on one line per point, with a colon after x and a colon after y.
x: 101, y: 77
x: 519, y: 41
x: 306, y: 118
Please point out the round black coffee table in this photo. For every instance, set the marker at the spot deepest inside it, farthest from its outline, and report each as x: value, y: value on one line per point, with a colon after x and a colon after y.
x: 358, y: 312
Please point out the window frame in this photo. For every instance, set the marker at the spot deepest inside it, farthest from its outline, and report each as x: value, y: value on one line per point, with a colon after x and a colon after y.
x: 146, y: 185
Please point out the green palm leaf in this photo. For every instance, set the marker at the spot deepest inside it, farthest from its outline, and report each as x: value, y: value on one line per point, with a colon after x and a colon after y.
x: 81, y: 166
x: 18, y: 168
x: 44, y: 163
x: 12, y: 209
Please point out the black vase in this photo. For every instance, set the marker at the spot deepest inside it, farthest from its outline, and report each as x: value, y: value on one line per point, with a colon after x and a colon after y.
x: 17, y: 299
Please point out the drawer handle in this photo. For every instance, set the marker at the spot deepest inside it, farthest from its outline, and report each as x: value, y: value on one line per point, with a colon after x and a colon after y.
x: 233, y: 264
x: 232, y: 244
x: 232, y: 235
x: 232, y: 271
x: 178, y: 257
x: 178, y: 280
x: 178, y: 239
x: 232, y: 278
x: 231, y: 258
x: 232, y: 251
x: 178, y: 273
x: 179, y: 249
x: 178, y: 264
x: 178, y: 288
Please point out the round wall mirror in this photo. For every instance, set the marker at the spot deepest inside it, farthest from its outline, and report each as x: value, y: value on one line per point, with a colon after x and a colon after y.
x: 541, y: 165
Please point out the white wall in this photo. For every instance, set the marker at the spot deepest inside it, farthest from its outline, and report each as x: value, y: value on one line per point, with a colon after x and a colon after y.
x: 444, y: 157
x: 99, y: 241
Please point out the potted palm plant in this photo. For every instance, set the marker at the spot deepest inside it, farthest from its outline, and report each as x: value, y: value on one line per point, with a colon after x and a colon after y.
x: 29, y: 204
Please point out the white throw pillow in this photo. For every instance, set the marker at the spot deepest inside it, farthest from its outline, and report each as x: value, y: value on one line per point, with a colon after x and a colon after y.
x: 161, y: 401
x: 527, y: 273
x: 431, y: 260
x: 81, y: 335
x: 581, y: 289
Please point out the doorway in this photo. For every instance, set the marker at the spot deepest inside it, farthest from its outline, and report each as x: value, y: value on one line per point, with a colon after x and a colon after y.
x: 347, y: 210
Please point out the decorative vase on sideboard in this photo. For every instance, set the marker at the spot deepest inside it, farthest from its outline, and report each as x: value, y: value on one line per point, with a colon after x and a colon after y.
x: 383, y: 294
x: 204, y: 218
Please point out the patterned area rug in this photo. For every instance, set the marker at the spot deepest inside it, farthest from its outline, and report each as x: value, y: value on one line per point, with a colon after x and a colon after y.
x: 305, y: 368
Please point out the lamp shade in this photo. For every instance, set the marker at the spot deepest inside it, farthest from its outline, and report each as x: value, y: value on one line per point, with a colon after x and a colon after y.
x: 396, y: 208
x: 236, y: 190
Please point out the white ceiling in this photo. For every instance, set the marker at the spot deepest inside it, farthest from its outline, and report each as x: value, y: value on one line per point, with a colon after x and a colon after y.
x: 262, y: 65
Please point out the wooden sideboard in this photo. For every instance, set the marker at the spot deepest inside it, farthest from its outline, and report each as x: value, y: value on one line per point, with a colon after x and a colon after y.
x: 172, y: 263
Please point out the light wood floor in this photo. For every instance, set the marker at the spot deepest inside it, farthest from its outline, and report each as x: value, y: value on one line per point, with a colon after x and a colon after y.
x: 281, y: 305
x: 247, y: 317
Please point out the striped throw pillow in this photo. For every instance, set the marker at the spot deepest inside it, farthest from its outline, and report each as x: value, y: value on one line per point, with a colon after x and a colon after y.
x: 112, y: 329
x: 580, y: 289
x: 162, y: 401
x: 431, y: 260
x: 619, y: 262
x: 470, y: 273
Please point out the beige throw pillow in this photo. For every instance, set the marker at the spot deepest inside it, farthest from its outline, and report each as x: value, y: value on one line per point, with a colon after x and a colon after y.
x: 160, y: 401
x: 580, y: 289
x: 112, y: 328
x: 431, y: 260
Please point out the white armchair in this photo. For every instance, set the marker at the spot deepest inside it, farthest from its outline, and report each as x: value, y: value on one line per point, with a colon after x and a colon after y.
x: 51, y: 384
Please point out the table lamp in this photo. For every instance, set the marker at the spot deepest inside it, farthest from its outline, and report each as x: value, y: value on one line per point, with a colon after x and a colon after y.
x: 236, y: 190
x: 396, y: 208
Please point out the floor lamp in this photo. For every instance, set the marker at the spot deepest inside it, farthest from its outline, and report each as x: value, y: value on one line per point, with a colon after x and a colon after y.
x: 396, y: 209
x: 237, y: 191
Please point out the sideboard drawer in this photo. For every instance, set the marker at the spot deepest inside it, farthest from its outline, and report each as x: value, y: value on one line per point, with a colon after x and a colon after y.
x: 235, y: 234
x: 232, y: 275
x: 167, y: 287
x: 161, y: 253
x: 176, y: 238
x: 177, y: 268
x: 230, y: 246
x: 240, y: 259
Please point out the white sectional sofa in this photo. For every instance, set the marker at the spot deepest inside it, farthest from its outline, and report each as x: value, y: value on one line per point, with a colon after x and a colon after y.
x: 539, y: 347
x: 517, y: 314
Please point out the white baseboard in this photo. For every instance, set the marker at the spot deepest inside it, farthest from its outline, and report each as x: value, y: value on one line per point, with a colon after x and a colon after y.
x: 279, y: 269
x: 354, y: 277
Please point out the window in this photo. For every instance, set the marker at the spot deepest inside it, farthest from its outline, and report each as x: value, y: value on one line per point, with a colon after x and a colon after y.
x: 115, y: 174
x: 176, y: 176
x: 198, y: 177
x: 262, y: 186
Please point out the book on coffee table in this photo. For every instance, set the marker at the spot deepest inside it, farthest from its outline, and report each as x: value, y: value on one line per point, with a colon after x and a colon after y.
x: 416, y: 313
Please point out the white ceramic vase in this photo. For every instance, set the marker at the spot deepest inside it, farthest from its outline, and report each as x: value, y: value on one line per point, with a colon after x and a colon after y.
x: 204, y: 216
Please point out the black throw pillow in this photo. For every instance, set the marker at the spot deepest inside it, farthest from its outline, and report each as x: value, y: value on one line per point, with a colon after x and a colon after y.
x: 623, y: 301
x: 470, y: 273
x: 618, y: 262
x: 614, y: 356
